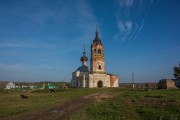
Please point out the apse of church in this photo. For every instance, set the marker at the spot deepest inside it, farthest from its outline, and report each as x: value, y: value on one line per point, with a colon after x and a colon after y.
x: 96, y: 76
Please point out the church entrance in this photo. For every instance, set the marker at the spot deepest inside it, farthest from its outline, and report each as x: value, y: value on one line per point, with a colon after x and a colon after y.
x: 100, y: 84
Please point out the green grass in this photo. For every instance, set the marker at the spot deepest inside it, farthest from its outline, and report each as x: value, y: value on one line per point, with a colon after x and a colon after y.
x: 134, y: 105
x: 12, y: 104
x: 125, y: 105
x: 112, y: 110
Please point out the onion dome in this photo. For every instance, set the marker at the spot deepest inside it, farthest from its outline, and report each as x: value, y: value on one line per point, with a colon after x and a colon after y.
x: 84, y: 58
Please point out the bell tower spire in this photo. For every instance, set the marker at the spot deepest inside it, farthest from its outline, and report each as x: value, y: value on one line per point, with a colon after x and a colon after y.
x: 97, y: 40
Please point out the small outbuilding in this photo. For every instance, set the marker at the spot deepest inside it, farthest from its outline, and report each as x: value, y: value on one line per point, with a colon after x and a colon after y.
x: 10, y: 85
x: 166, y: 84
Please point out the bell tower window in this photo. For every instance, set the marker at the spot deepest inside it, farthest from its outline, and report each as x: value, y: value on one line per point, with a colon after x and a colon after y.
x: 99, y: 67
x: 94, y: 51
x: 99, y: 51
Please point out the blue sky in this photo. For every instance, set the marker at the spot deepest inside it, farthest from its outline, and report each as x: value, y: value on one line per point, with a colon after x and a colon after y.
x: 43, y: 39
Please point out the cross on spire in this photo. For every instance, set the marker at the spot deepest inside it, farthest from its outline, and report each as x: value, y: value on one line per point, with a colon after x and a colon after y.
x: 97, y: 30
x: 84, y: 53
x: 97, y: 36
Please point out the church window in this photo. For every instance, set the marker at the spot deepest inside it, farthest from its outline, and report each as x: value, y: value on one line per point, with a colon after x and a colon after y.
x: 99, y: 51
x: 94, y: 51
x: 99, y: 67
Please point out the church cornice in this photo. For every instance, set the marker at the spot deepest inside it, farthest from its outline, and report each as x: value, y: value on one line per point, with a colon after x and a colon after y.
x: 97, y: 72
x: 98, y: 56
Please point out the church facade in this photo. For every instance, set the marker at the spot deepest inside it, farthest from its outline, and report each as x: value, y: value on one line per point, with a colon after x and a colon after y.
x: 96, y: 76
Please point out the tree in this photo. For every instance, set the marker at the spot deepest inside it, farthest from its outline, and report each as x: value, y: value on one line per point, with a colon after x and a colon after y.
x: 177, y: 72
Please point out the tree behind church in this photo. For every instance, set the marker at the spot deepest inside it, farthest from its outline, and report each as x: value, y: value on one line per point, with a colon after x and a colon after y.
x: 177, y: 72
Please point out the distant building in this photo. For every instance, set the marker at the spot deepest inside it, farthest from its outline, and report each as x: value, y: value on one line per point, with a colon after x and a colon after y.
x: 51, y: 86
x: 24, y: 86
x: 31, y: 87
x: 96, y: 76
x: 10, y: 85
x: 166, y: 84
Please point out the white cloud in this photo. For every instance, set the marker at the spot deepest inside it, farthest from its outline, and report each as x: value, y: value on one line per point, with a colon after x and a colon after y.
x: 125, y: 29
x: 129, y: 2
x: 125, y: 3
x: 130, y: 18
x: 121, y: 26
x: 128, y: 25
x: 139, y: 28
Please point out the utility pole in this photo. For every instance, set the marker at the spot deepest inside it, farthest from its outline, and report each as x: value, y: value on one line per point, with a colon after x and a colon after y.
x: 133, y: 80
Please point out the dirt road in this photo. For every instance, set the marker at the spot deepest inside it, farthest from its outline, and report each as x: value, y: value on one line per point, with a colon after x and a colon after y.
x: 61, y: 111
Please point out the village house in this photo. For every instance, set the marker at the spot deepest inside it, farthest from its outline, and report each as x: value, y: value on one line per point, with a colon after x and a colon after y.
x: 10, y: 85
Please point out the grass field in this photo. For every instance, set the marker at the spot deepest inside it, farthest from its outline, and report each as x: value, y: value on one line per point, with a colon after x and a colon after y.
x: 11, y: 103
x: 125, y: 104
x: 134, y: 105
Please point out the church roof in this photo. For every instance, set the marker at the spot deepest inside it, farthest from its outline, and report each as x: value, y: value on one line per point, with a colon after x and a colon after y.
x: 83, y: 68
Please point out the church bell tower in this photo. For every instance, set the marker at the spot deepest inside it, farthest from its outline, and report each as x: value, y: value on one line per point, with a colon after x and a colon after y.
x: 97, y: 64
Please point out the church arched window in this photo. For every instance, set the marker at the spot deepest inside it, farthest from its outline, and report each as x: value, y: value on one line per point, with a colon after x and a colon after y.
x: 99, y: 51
x: 99, y: 67
x: 94, y: 51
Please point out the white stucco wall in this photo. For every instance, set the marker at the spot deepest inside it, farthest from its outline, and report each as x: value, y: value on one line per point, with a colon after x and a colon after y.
x: 10, y: 85
x: 94, y: 78
x: 91, y: 80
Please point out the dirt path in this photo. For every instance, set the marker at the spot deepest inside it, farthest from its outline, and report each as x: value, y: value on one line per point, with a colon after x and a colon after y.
x: 61, y: 111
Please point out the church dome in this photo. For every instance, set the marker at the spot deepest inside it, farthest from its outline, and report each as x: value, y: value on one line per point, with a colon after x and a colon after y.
x: 83, y: 69
x: 84, y: 58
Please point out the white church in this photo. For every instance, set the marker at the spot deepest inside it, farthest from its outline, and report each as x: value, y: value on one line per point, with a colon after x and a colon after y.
x: 96, y: 76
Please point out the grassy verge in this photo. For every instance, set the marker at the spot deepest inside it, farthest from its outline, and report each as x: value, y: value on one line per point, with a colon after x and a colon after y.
x: 11, y: 103
x: 134, y: 105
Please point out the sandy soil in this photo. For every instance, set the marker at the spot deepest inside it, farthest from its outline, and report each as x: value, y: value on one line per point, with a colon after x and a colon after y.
x: 61, y: 111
